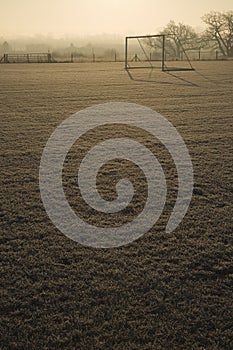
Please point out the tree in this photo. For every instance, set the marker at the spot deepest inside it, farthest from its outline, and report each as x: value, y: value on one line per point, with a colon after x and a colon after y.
x: 179, y: 37
x: 220, y: 31
x: 6, y: 48
x: 183, y: 37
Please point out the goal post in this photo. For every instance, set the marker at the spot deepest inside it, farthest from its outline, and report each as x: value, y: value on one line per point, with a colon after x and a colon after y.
x: 163, y: 51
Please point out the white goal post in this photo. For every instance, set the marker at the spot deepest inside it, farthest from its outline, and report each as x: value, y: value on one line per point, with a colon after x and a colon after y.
x: 162, y: 45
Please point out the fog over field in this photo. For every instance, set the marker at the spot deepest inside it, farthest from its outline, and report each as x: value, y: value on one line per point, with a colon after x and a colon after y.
x: 84, y: 27
x: 79, y: 17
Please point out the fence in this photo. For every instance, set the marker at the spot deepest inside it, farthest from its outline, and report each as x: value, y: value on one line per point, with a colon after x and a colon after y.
x: 194, y: 55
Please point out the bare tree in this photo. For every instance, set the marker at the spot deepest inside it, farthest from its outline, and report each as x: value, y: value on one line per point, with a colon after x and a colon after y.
x: 182, y: 35
x: 179, y: 37
x: 220, y: 31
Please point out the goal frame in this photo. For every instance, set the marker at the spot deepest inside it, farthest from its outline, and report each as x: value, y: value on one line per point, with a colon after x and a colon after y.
x: 38, y: 57
x: 164, y: 68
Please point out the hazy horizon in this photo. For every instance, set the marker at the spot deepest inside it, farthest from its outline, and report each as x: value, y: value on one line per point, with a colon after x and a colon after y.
x: 115, y: 17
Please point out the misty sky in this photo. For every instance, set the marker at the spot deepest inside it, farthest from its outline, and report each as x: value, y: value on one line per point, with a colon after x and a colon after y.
x: 81, y: 17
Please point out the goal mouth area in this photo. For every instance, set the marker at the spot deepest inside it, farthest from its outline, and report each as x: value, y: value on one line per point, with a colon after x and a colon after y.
x: 167, y: 69
x: 178, y: 69
x: 143, y: 67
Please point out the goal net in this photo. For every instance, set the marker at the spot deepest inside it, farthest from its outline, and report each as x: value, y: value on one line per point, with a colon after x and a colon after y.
x: 163, y: 51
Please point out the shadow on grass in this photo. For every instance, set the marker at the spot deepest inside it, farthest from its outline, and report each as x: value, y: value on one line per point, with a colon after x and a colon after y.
x: 149, y: 79
x: 206, y: 78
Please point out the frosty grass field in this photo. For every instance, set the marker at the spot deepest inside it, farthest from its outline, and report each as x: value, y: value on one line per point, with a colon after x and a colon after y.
x: 163, y: 291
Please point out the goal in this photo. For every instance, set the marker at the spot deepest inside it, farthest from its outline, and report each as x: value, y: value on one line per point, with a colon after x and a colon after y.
x: 26, y: 58
x: 162, y: 51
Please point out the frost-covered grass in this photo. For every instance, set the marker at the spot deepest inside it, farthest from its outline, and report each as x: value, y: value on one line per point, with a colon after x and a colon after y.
x: 163, y: 291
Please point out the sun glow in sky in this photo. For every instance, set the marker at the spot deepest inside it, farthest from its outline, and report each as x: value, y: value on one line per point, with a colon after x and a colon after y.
x: 84, y: 17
